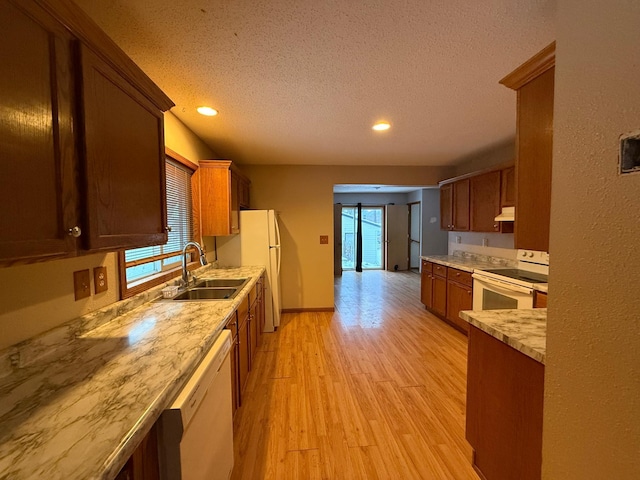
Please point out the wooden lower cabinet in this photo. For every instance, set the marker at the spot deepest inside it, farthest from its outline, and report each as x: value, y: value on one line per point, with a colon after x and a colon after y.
x: 505, y: 391
x: 439, y: 298
x: 232, y: 325
x: 253, y: 332
x: 244, y: 360
x: 426, y: 284
x: 459, y: 297
x: 540, y: 300
x: 446, y: 291
x: 144, y: 463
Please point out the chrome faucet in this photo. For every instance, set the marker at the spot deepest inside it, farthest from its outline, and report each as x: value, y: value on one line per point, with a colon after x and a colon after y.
x: 203, y: 260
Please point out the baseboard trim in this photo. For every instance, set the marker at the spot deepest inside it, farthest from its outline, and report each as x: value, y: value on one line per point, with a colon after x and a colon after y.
x: 303, y: 310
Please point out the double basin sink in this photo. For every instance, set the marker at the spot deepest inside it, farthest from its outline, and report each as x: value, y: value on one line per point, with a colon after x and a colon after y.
x: 213, y: 289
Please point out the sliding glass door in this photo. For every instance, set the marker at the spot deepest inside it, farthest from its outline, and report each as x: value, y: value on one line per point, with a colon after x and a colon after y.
x: 372, y: 227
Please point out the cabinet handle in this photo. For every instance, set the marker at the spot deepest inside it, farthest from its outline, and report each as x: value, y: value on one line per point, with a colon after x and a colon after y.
x: 168, y: 229
x: 469, y: 292
x: 457, y: 274
x: 495, y: 225
x: 75, y: 231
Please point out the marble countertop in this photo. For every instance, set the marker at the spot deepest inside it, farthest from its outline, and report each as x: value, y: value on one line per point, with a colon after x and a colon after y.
x: 525, y: 330
x: 80, y: 410
x: 469, y: 263
x: 541, y: 287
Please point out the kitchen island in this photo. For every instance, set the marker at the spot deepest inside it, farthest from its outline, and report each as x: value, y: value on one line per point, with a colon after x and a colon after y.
x: 505, y: 390
x: 75, y: 402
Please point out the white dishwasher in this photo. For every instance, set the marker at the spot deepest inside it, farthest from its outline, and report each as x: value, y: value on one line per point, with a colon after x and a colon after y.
x: 196, y: 433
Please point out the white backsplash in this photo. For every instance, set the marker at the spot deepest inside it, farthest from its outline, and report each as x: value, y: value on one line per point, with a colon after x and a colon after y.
x: 497, y: 244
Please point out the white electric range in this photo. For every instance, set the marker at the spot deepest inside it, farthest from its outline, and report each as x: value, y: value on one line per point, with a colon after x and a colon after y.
x: 511, y: 288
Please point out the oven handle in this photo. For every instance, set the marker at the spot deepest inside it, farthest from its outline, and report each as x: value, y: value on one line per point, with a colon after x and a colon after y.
x: 503, y: 285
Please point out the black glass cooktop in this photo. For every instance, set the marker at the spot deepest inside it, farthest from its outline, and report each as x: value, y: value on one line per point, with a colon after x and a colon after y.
x: 522, y: 275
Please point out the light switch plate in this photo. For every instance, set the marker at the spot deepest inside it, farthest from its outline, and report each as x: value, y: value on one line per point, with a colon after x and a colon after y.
x: 100, y: 279
x: 81, y: 284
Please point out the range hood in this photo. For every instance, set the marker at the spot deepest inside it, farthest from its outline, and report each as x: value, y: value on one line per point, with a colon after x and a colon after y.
x: 508, y: 214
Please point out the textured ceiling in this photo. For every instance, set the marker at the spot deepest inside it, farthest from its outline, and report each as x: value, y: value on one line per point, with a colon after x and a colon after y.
x: 301, y: 82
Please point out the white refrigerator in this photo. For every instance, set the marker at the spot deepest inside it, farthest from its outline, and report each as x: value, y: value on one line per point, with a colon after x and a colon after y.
x: 258, y: 243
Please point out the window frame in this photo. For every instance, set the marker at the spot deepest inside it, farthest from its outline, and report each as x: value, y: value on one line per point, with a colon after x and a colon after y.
x: 161, y: 277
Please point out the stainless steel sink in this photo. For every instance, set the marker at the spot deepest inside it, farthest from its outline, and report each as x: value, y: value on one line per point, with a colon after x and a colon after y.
x: 222, y: 282
x: 208, y: 294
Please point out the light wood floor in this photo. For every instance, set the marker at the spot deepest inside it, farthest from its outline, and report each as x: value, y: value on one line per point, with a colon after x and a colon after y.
x: 376, y: 390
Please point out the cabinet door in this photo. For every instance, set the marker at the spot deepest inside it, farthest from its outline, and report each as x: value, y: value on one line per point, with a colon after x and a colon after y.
x: 233, y: 356
x: 461, y: 205
x: 426, y: 284
x: 485, y: 202
x: 439, y: 295
x: 37, y: 198
x: 508, y: 187
x: 446, y: 207
x: 253, y: 334
x: 459, y: 297
x: 243, y: 356
x: 124, y: 166
x: 535, y: 145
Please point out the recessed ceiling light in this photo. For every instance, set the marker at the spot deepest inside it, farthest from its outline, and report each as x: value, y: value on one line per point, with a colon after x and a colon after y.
x: 380, y: 126
x: 208, y: 111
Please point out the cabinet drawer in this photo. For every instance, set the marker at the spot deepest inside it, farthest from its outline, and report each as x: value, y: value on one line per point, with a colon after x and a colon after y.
x: 460, y: 276
x: 439, y: 270
x: 427, y: 266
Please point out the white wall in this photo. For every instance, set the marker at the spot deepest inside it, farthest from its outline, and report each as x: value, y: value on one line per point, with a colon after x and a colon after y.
x: 592, y: 379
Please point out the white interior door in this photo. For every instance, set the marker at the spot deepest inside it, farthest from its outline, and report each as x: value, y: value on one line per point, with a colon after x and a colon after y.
x: 397, y: 237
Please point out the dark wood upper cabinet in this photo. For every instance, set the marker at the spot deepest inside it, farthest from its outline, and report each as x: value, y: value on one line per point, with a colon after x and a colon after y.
x: 454, y: 206
x: 81, y: 138
x: 508, y: 187
x: 485, y: 202
x: 123, y: 180
x: 534, y: 83
x: 446, y: 207
x: 224, y: 191
x: 37, y: 156
x: 461, y: 205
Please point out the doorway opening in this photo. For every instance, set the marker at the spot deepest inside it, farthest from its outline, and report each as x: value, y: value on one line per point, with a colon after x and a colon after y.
x: 372, y: 227
x: 414, y: 236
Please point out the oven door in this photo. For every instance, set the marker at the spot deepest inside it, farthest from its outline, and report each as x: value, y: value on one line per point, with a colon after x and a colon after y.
x: 491, y: 294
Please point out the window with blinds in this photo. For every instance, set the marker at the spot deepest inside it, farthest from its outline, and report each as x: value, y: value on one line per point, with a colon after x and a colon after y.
x: 145, y: 262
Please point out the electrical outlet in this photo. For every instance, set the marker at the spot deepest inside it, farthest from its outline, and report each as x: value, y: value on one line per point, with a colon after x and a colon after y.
x: 458, y: 239
x: 100, y: 279
x: 324, y: 239
x: 485, y: 242
x: 81, y: 284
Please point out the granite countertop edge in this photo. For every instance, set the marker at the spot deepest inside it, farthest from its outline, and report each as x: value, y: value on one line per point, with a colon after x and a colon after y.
x: 524, y: 330
x: 105, y: 386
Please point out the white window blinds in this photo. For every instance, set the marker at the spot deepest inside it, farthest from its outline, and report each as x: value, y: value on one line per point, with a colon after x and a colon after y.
x: 147, y: 261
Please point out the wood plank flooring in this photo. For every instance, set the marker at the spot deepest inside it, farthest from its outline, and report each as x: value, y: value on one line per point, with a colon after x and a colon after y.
x: 375, y: 390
